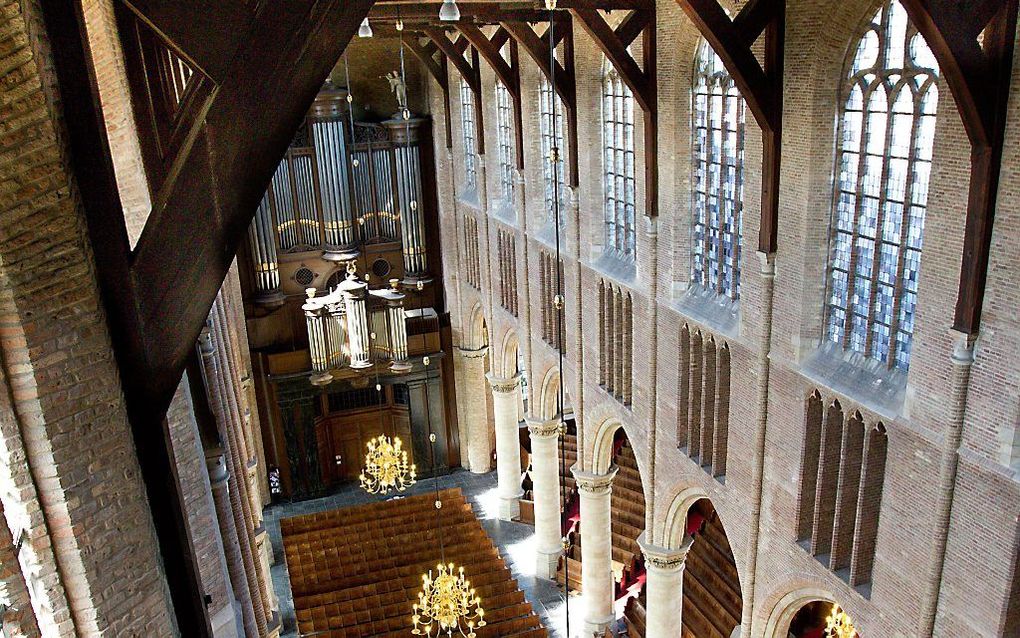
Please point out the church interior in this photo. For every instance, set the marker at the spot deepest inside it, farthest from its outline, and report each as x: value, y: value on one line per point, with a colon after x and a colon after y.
x: 509, y: 318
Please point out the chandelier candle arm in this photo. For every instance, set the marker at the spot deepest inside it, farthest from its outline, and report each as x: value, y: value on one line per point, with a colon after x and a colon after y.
x: 447, y: 604
x: 387, y: 467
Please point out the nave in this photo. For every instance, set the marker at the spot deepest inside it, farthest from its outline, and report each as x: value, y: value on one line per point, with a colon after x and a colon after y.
x: 513, y: 541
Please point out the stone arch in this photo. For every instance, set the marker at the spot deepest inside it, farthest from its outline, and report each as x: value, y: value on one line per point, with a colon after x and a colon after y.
x: 786, y: 608
x: 508, y: 354
x: 549, y: 396
x: 602, y: 452
x: 674, y: 526
x: 477, y: 334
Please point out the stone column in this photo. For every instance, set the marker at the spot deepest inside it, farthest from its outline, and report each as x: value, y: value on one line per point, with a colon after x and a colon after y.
x: 664, y: 587
x: 476, y: 439
x: 596, y: 547
x: 219, y: 481
x: 545, y: 478
x: 508, y: 444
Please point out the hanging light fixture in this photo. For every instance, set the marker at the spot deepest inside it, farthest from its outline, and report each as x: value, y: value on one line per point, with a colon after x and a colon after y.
x: 449, y: 12
x: 839, y: 624
x: 365, y: 30
x: 387, y: 467
x: 447, y: 604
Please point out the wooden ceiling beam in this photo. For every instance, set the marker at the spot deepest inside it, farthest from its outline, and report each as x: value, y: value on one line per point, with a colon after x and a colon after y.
x: 641, y: 80
x: 538, y: 49
x: 493, y: 57
x: 616, y: 51
x: 455, y: 55
x: 440, y: 71
x: 206, y: 34
x: 978, y: 75
x: 761, y: 85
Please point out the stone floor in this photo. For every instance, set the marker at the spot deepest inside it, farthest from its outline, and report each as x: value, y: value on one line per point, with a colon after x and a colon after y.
x: 515, y: 542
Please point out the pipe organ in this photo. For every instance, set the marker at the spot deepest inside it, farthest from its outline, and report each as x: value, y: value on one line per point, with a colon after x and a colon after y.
x: 346, y: 321
x: 354, y: 327
x: 341, y: 186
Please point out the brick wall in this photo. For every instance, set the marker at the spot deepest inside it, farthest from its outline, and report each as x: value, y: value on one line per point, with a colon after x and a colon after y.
x: 70, y: 475
x: 982, y: 548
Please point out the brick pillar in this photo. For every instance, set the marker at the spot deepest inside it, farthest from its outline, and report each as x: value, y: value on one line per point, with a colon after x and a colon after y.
x: 545, y: 478
x: 474, y: 422
x: 219, y: 479
x: 505, y: 394
x: 664, y: 588
x: 768, y: 277
x: 221, y: 406
x: 19, y: 617
x: 69, y: 472
x: 596, y: 492
x: 203, y: 527
x: 963, y: 361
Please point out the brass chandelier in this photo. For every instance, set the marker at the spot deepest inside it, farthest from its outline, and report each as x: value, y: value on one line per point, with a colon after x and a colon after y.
x: 839, y: 624
x: 447, y: 604
x: 386, y: 467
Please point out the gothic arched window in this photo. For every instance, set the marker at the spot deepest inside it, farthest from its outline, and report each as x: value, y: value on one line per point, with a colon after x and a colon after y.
x: 467, y: 124
x: 717, y: 194
x: 505, y: 140
x: 618, y: 163
x: 883, y: 164
x: 550, y: 106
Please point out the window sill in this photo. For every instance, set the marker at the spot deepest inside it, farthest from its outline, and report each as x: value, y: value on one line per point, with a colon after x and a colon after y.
x: 470, y: 198
x: 616, y: 266
x: 864, y: 380
x: 713, y: 310
x: 503, y: 210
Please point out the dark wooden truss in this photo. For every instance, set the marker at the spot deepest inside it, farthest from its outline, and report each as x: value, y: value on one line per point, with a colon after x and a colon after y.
x: 261, y: 64
x: 761, y: 85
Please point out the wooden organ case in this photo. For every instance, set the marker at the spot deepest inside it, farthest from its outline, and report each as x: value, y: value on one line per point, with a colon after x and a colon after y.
x: 350, y: 202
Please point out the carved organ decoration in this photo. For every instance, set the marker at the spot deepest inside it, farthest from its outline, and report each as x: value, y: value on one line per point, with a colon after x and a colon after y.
x: 341, y: 187
x: 352, y: 327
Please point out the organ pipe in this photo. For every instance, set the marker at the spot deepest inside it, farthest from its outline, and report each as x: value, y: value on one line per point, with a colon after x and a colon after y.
x: 405, y: 137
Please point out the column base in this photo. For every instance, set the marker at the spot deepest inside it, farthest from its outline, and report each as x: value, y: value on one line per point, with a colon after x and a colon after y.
x: 597, y: 626
x: 510, y: 506
x: 227, y: 623
x: 546, y: 563
x: 480, y: 469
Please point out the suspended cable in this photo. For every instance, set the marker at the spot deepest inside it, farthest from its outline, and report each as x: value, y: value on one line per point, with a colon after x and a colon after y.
x: 554, y: 159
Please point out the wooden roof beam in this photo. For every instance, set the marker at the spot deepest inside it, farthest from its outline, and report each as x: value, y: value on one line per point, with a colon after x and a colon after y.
x: 761, y: 85
x: 978, y: 75
x: 538, y: 49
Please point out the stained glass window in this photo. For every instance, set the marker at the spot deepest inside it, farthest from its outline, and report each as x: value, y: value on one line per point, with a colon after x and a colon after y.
x: 883, y: 162
x: 618, y: 162
x: 467, y: 121
x: 505, y: 140
x: 550, y: 106
x: 718, y: 176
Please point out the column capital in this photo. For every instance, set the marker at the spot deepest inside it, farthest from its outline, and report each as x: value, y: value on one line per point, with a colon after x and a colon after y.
x: 504, y: 386
x: 543, y: 429
x: 594, y: 484
x: 469, y: 353
x: 663, y: 558
x: 217, y: 468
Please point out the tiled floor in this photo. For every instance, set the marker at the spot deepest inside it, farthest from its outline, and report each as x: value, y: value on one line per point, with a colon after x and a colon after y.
x: 515, y: 542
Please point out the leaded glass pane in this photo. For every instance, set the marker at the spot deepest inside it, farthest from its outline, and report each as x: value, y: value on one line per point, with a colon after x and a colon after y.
x: 883, y: 167
x: 618, y: 163
x: 467, y: 119
x: 551, y: 131
x: 717, y: 157
x: 505, y: 141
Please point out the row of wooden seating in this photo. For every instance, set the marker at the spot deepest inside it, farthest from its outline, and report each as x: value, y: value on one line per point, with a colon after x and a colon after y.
x: 348, y: 517
x: 358, y: 576
x: 628, y: 513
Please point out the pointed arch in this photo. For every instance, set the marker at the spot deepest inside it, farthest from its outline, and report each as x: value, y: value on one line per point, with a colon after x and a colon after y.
x: 717, y: 187
x: 884, y: 139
